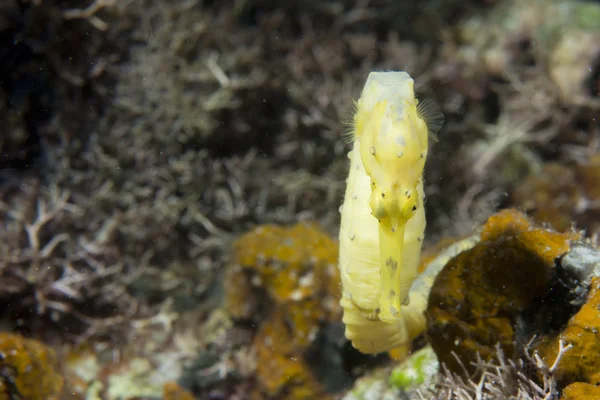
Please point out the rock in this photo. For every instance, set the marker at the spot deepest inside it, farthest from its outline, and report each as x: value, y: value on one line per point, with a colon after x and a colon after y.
x: 286, y: 280
x: 479, y: 297
x: 582, y: 361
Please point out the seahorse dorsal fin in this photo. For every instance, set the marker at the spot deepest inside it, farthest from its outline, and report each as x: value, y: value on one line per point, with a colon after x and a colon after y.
x: 432, y: 115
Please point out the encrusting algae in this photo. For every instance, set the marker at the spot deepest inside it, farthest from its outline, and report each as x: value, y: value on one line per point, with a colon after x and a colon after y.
x: 28, y: 369
x: 282, y: 372
x: 582, y: 362
x: 291, y: 273
x: 173, y: 391
x: 478, y: 296
x: 581, y: 391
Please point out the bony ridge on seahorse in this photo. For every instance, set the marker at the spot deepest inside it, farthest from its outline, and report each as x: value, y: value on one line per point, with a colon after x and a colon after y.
x: 383, y: 218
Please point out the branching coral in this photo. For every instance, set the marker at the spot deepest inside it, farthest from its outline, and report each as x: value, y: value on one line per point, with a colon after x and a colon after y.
x: 49, y: 266
x: 499, y: 378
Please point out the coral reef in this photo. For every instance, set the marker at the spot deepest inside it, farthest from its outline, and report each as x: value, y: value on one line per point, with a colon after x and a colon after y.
x: 208, y: 133
x: 141, y: 138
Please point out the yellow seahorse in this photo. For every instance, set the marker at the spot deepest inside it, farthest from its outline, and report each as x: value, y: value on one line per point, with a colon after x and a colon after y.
x: 383, y: 218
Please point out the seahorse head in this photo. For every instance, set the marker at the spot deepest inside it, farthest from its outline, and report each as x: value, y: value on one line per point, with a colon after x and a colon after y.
x: 394, y: 144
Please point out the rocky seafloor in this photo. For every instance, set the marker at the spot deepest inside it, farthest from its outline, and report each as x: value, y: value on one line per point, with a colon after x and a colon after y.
x: 171, y: 173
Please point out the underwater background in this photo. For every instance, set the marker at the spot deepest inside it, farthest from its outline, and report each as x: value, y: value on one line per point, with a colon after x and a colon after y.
x: 171, y: 175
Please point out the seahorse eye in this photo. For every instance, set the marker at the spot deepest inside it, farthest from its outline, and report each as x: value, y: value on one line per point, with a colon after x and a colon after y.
x: 408, y: 200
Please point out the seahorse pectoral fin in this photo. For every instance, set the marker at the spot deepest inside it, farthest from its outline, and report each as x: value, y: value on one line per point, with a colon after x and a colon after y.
x: 394, y: 286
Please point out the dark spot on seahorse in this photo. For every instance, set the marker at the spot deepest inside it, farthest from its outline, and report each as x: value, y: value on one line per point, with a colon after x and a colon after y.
x: 393, y: 264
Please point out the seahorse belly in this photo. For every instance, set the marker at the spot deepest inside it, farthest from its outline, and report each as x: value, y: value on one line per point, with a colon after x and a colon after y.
x: 360, y: 269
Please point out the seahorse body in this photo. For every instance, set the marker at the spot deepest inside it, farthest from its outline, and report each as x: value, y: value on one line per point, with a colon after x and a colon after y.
x: 383, y: 218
